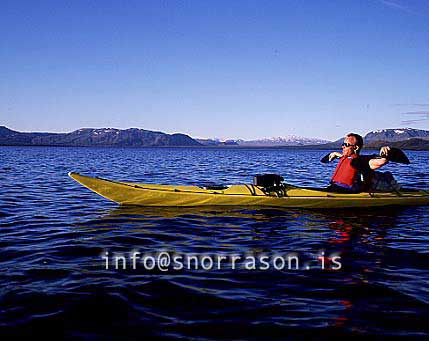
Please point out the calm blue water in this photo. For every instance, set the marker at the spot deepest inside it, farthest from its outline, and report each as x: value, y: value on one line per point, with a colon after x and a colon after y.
x: 54, y: 232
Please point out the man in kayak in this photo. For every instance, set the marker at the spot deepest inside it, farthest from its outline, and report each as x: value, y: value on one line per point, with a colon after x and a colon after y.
x: 354, y: 169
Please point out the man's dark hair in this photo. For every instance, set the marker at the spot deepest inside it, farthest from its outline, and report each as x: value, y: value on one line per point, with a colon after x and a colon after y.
x: 358, y: 138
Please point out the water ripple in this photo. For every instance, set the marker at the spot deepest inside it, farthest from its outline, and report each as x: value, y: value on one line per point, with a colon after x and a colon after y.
x: 55, y: 232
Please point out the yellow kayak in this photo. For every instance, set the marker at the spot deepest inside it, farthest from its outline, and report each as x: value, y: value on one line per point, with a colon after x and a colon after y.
x: 128, y: 193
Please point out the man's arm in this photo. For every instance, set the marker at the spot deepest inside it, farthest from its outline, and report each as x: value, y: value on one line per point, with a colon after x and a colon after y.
x: 379, y: 162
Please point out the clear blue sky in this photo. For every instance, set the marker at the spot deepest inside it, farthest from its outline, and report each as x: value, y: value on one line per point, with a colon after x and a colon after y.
x: 245, y: 69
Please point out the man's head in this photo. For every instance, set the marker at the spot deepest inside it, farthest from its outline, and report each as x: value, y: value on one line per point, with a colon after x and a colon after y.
x: 352, y: 144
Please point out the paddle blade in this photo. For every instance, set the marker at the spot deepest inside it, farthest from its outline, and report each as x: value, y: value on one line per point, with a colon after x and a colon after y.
x: 325, y: 159
x: 397, y: 155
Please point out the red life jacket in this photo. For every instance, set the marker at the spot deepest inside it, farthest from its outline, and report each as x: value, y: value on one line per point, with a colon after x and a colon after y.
x: 345, y: 173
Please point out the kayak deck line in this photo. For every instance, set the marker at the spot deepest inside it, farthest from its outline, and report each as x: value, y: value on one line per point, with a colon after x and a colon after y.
x: 127, y: 193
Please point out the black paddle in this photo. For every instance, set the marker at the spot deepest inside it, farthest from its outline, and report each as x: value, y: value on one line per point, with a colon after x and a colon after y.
x: 394, y: 155
x: 325, y: 159
x: 397, y: 155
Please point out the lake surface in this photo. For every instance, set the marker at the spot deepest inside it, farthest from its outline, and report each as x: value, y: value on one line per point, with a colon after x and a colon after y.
x: 56, y: 236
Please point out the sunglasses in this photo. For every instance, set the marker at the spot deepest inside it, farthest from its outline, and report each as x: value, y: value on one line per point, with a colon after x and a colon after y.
x: 347, y: 145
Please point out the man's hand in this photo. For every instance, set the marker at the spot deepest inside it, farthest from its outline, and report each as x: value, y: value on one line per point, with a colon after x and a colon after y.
x: 334, y: 155
x: 384, y: 151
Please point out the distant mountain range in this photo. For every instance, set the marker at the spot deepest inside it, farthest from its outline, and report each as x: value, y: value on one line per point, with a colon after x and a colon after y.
x: 394, y: 135
x: 216, y: 143
x: 106, y: 137
x: 406, y: 138
x: 133, y: 137
x: 290, y: 140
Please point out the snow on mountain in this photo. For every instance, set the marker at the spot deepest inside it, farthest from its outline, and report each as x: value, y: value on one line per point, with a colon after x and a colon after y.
x: 289, y: 140
x: 399, y: 134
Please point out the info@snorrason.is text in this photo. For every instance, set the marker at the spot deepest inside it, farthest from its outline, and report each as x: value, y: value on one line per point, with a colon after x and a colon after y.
x: 172, y: 261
